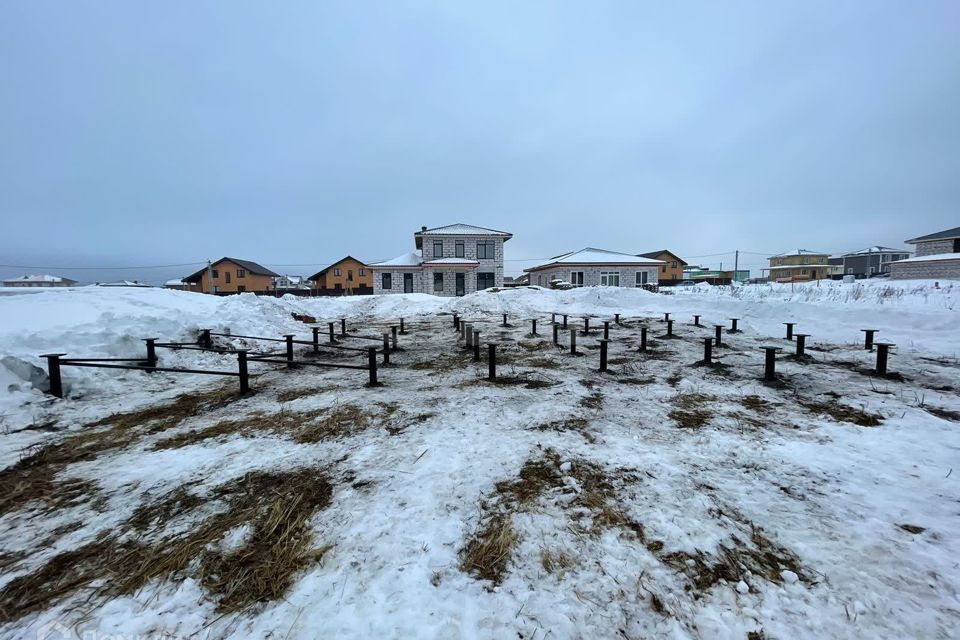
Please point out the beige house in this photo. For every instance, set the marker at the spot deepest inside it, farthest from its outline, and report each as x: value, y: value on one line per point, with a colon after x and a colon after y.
x: 799, y: 266
x: 232, y: 275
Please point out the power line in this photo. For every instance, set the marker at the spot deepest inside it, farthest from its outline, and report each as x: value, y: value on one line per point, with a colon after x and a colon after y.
x: 154, y: 266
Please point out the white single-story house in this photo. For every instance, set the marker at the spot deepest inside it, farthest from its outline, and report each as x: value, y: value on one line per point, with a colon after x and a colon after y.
x: 592, y: 267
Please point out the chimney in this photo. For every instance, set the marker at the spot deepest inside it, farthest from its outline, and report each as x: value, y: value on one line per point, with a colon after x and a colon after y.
x: 422, y: 229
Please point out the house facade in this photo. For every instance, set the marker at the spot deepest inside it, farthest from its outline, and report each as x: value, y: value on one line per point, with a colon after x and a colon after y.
x: 348, y: 275
x: 872, y: 261
x: 453, y: 260
x: 39, y: 281
x: 232, y: 275
x: 938, y: 257
x: 799, y: 266
x: 591, y: 267
x: 672, y: 270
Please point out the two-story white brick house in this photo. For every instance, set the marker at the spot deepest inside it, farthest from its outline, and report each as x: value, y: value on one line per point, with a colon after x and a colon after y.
x: 451, y: 261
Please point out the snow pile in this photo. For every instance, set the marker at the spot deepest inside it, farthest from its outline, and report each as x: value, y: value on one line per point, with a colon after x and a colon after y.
x: 111, y: 322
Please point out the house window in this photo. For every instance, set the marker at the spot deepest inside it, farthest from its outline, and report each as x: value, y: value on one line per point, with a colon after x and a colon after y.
x: 849, y: 270
x: 609, y: 278
x: 438, y: 281
x: 216, y: 289
x: 241, y: 288
x: 350, y: 275
x: 673, y: 264
x: 336, y: 272
x: 437, y: 249
x: 485, y: 280
x: 241, y: 273
x: 216, y: 274
x: 540, y: 280
x: 485, y: 250
x: 663, y: 269
x: 803, y: 272
x: 576, y: 278
x: 226, y: 274
x: 363, y: 272
x: 387, y: 281
x: 458, y: 249
x: 642, y: 278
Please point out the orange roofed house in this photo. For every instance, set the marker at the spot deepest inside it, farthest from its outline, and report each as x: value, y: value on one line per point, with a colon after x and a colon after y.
x: 347, y: 275
x: 231, y: 275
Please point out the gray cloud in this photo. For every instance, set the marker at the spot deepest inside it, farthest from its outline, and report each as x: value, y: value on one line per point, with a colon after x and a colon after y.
x: 295, y: 134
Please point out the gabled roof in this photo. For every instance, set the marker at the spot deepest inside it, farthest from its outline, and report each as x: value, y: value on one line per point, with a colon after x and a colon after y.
x: 654, y: 254
x: 331, y: 266
x: 800, y: 252
x: 460, y: 229
x: 591, y: 256
x: 412, y: 259
x: 249, y: 266
x: 949, y: 234
x: 875, y: 249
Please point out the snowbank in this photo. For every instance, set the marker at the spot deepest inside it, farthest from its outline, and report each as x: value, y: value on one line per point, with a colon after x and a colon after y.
x: 111, y: 322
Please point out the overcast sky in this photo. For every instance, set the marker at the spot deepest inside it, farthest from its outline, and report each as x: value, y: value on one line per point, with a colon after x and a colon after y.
x: 136, y: 133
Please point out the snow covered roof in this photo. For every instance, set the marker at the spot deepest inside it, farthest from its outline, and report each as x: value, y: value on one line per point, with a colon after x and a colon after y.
x: 460, y: 229
x: 462, y: 262
x: 931, y: 258
x: 948, y: 234
x: 800, y: 252
x: 876, y: 249
x: 122, y: 283
x: 39, y: 278
x: 412, y: 259
x: 593, y: 256
x: 175, y: 283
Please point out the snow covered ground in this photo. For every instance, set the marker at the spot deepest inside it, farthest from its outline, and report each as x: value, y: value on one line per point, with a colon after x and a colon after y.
x: 662, y: 499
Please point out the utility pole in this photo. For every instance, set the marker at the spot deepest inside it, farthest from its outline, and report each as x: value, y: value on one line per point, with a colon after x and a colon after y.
x: 209, y: 275
x: 736, y: 263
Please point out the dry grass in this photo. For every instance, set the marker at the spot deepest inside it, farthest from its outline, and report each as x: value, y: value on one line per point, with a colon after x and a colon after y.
x: 340, y: 421
x: 579, y: 425
x: 295, y: 394
x: 689, y: 410
x: 593, y: 401
x: 843, y: 413
x: 527, y: 383
x: 558, y: 561
x: 755, y: 403
x: 276, y: 507
x: 488, y: 552
x: 36, y: 477
x: 946, y: 414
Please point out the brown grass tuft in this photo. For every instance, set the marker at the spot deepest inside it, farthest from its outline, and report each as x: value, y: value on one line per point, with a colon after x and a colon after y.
x: 844, y: 413
x: 689, y: 411
x: 488, y: 552
x: 276, y: 507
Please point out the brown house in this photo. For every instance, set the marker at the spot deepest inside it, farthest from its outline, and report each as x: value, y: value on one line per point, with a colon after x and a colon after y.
x: 347, y: 274
x: 671, y: 272
x: 800, y: 265
x: 230, y: 275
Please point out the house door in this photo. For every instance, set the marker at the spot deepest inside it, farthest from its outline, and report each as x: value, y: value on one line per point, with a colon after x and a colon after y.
x: 461, y: 284
x: 408, y: 283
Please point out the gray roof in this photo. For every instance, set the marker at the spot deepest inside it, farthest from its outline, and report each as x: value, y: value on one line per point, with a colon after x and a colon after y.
x: 250, y: 266
x: 460, y: 229
x: 949, y: 234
